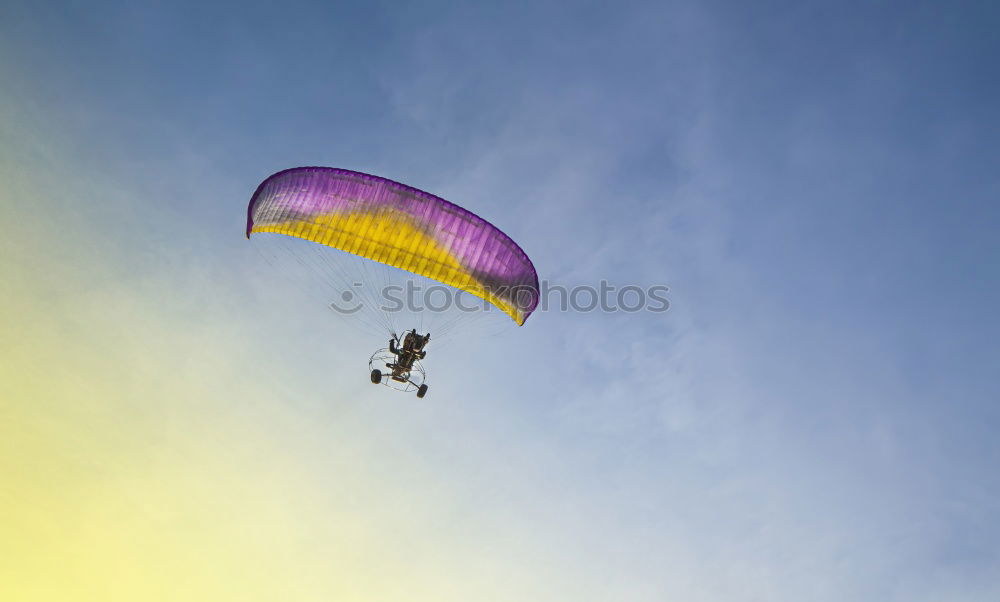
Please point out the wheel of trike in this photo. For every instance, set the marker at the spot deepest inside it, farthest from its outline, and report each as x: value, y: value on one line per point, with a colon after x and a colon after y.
x: 376, y: 377
x: 422, y: 390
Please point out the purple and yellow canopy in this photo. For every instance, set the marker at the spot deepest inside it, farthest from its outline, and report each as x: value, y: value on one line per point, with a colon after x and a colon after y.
x: 397, y: 225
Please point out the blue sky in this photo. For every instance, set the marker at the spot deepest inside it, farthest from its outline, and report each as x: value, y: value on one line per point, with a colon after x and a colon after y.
x: 816, y: 416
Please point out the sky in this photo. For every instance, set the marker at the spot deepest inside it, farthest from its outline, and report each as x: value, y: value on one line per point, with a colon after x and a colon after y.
x: 814, y: 418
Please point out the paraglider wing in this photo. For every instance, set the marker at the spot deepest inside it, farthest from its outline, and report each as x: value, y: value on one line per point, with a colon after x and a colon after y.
x: 397, y: 225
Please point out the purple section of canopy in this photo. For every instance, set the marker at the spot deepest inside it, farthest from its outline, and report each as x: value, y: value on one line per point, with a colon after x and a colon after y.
x: 488, y: 254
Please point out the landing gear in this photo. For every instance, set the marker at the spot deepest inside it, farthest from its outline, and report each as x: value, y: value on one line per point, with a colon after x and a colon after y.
x: 376, y: 377
x: 421, y: 391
